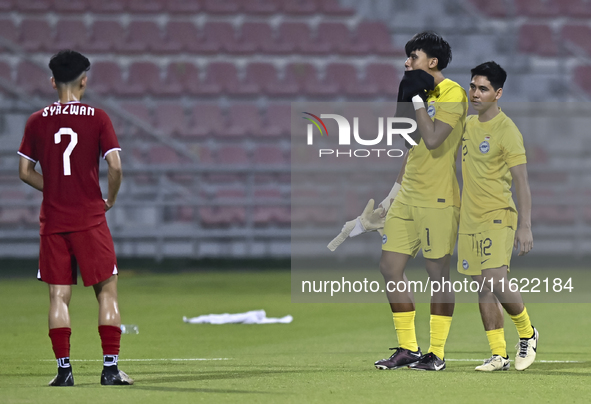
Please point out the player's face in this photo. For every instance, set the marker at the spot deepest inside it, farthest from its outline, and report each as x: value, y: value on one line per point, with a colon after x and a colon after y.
x: 482, y: 94
x: 418, y: 60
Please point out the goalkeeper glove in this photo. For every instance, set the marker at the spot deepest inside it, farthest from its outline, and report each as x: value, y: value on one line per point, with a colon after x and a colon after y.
x: 369, y: 220
x: 414, y: 83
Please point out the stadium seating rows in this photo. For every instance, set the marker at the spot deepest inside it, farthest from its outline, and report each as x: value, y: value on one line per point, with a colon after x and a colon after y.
x: 257, y: 7
x: 36, y: 34
x: 145, y: 78
x: 577, y: 9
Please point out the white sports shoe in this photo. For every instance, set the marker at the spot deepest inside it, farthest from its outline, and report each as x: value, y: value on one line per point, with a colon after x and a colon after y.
x: 495, y: 362
x: 526, y: 351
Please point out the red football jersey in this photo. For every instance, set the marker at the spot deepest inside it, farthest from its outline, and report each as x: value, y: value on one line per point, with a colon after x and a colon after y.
x: 68, y: 140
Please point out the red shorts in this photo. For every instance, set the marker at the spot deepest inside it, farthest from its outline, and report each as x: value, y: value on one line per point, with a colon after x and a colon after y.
x: 91, y: 250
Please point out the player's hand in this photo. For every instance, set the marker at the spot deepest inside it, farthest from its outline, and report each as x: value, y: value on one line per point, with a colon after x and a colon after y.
x: 524, y: 240
x: 108, y: 205
x: 415, y: 82
x: 383, y: 211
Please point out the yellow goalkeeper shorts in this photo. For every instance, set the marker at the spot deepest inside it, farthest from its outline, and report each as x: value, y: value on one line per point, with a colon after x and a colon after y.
x: 489, y: 249
x: 410, y: 228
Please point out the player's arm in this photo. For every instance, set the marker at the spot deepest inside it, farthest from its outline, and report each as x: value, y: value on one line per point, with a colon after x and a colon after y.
x: 434, y: 132
x: 387, y: 202
x: 115, y: 176
x: 28, y: 174
x: 523, y: 235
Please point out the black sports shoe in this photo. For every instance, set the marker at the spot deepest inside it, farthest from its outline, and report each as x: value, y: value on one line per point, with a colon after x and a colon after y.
x: 64, y: 377
x: 429, y: 361
x: 400, y: 358
x: 116, y: 378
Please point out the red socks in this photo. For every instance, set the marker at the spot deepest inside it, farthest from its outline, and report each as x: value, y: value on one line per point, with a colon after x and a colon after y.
x: 110, y: 339
x: 60, y: 341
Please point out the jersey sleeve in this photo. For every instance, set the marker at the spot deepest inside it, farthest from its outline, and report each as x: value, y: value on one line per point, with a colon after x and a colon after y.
x: 451, y: 106
x: 27, y: 148
x: 512, y: 149
x: 108, y: 138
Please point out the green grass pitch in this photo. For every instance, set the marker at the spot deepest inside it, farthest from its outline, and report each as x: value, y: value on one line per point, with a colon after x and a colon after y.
x: 326, y: 355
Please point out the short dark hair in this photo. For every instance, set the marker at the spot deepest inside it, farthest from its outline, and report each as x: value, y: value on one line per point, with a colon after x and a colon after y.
x: 433, y: 45
x: 67, y: 65
x: 493, y: 72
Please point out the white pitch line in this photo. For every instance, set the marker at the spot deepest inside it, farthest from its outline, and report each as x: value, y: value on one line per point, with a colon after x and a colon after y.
x: 145, y: 360
x: 538, y: 361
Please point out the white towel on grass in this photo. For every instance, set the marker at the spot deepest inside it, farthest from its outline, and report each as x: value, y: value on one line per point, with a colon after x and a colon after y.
x: 250, y: 317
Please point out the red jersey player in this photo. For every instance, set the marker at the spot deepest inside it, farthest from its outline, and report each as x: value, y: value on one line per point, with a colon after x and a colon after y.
x: 67, y: 138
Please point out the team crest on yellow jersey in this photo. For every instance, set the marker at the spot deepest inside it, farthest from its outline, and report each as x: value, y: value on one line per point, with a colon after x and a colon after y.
x: 485, y: 146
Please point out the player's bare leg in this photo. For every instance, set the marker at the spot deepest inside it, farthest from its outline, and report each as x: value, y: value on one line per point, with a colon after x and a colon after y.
x: 491, y: 313
x: 60, y: 331
x: 442, y: 309
x: 392, y: 266
x: 110, y: 332
x: 512, y: 302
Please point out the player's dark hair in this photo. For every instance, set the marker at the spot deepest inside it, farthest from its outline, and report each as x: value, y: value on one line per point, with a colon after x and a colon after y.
x: 67, y: 65
x: 493, y: 73
x: 433, y: 45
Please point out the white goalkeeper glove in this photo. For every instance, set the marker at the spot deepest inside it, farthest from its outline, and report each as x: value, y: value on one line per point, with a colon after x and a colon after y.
x: 370, y: 220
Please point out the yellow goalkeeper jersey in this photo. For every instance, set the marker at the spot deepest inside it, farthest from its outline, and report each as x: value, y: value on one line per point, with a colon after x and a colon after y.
x: 430, y: 178
x: 489, y: 150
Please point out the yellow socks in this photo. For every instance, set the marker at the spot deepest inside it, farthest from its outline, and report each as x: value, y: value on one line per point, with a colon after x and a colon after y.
x: 439, y: 330
x: 497, y: 343
x: 405, y: 330
x: 523, y: 325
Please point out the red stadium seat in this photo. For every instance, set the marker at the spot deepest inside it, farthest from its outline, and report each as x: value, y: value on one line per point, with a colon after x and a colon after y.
x: 14, y: 214
x: 305, y: 75
x: 256, y: 37
x: 244, y: 120
x: 278, y: 120
x: 207, y: 120
x: 183, y: 6
x: 106, y: 78
x: 374, y: 37
x: 259, y: 77
x: 70, y: 6
x: 144, y: 77
x: 138, y: 110
x: 36, y: 35
x: 106, y: 36
x: 384, y: 76
x: 269, y: 155
x: 5, y: 71
x: 221, y: 77
x: 538, y: 39
x: 221, y: 6
x: 181, y: 77
x: 537, y: 8
x: 164, y: 155
x: 33, y: 79
x: 575, y: 8
x: 491, y: 8
x: 225, y: 214
x: 268, y: 213
x: 261, y: 7
x: 145, y: 6
x: 146, y: 36
x: 293, y: 37
x: 233, y: 155
x: 336, y: 35
x: 345, y: 77
x: 8, y: 31
x: 300, y: 7
x: 577, y: 35
x: 171, y: 119
x: 71, y: 34
x: 218, y: 36
x: 34, y: 6
x: 332, y: 7
x: 108, y: 6
x: 7, y: 5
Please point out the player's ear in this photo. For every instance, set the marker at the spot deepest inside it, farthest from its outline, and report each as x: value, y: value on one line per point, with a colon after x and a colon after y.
x: 53, y: 84
x: 83, y: 82
x: 499, y: 93
x: 433, y: 62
